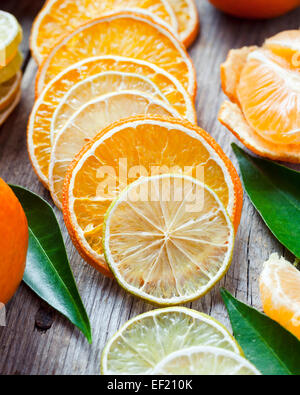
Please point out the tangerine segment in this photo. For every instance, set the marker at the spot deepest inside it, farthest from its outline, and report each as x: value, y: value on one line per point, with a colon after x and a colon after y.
x: 269, y: 95
x: 60, y: 17
x: 145, y: 340
x: 91, y: 118
x: 39, y: 125
x: 130, y: 34
x: 232, y: 118
x: 188, y: 21
x: 231, y: 70
x: 279, y: 289
x: 168, y: 239
x: 286, y: 44
x: 205, y: 360
x: 136, y: 147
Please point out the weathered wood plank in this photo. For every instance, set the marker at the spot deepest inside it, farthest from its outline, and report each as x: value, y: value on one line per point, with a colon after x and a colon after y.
x: 24, y: 348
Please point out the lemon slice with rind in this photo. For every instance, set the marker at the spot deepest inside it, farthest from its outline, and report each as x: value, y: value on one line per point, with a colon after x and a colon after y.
x: 144, y: 341
x: 205, y: 361
x: 9, y: 90
x: 10, y: 37
x: 11, y: 69
x: 168, y: 239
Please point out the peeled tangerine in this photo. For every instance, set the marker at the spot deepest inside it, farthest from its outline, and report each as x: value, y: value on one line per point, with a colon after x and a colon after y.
x: 263, y: 85
x: 13, y: 242
x: 279, y: 289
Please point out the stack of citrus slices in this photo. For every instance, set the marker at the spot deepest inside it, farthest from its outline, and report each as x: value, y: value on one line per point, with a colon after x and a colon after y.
x: 174, y: 340
x: 10, y: 64
x: 263, y: 85
x: 147, y: 195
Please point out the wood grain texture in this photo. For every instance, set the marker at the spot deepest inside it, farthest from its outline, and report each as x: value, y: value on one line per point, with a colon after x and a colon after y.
x: 26, y: 345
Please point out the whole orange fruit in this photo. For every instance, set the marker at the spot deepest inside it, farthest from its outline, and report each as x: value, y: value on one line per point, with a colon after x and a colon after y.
x: 13, y: 242
x: 256, y: 8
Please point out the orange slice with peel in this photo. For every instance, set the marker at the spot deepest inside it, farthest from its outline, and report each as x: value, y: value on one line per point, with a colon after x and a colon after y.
x: 39, y: 125
x: 130, y: 34
x: 60, y: 17
x: 91, y: 118
x: 279, y: 286
x: 123, y: 152
x: 188, y: 21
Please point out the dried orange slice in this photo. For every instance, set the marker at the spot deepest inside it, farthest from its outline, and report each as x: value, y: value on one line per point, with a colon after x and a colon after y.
x: 188, y: 21
x: 39, y: 125
x: 60, y: 17
x: 269, y: 96
x: 279, y: 285
x: 128, y: 149
x: 89, y: 120
x: 130, y: 34
x: 9, y: 90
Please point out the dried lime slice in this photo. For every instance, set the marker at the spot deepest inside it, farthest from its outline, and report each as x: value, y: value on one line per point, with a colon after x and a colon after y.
x: 168, y: 239
x: 146, y: 340
x: 204, y: 361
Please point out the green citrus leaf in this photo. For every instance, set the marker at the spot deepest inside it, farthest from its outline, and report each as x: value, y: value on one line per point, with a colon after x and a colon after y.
x: 274, y: 190
x: 48, y: 272
x: 270, y: 347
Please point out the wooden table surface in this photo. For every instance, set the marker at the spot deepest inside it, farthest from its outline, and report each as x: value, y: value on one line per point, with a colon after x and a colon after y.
x: 38, y: 340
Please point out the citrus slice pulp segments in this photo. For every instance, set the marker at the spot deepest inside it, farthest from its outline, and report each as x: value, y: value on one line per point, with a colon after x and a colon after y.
x: 231, y: 116
x: 10, y: 37
x: 130, y: 34
x: 95, y: 86
x: 279, y: 285
x: 59, y: 17
x: 203, y: 361
x: 146, y: 339
x: 151, y: 144
x: 38, y: 135
x: 188, y: 21
x: 9, y: 90
x: 11, y: 69
x: 5, y: 113
x: 269, y: 95
x: 168, y: 239
x: 89, y: 120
